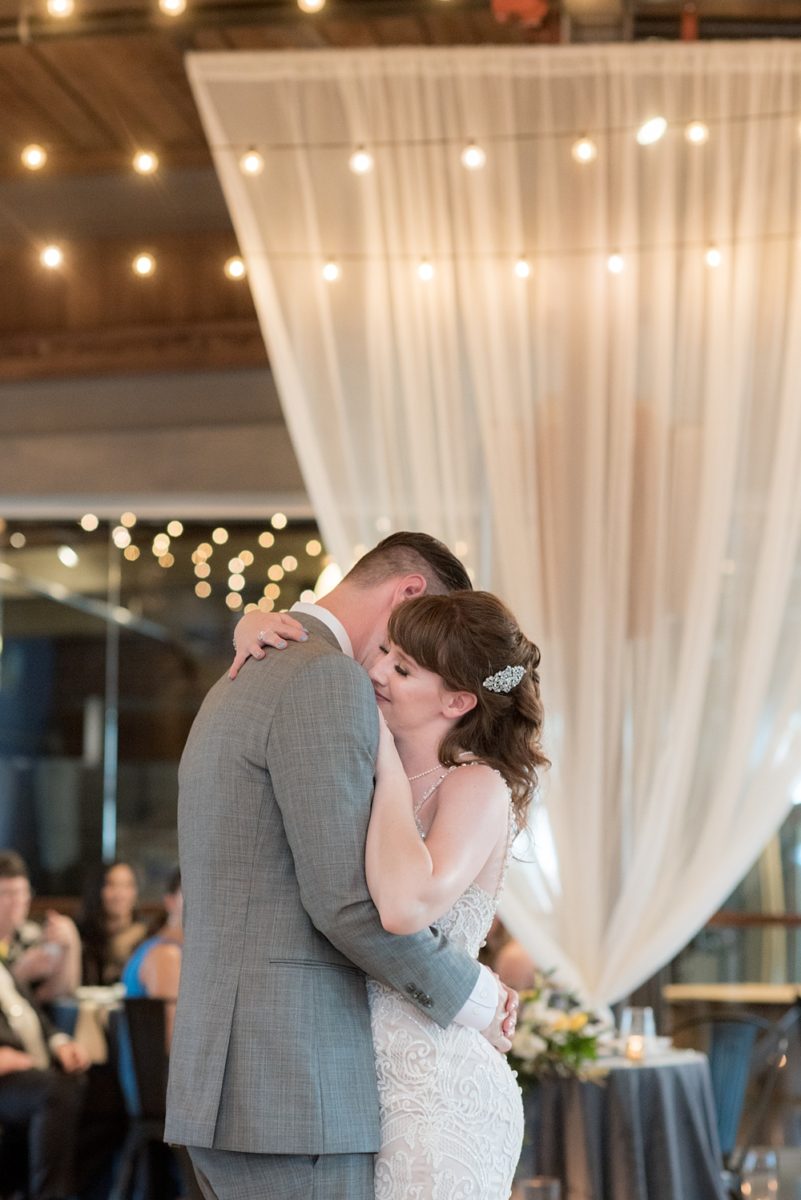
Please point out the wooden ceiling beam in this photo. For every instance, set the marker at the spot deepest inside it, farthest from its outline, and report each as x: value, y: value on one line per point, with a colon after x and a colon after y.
x: 199, y: 346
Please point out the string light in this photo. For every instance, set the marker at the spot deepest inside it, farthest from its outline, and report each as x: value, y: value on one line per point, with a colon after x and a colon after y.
x: 202, y: 570
x: 278, y: 520
x: 251, y: 162
x: 219, y: 535
x: 128, y: 519
x: 233, y: 600
x: 236, y: 565
x: 251, y: 608
x: 584, y: 150
x: 145, y: 162
x: 615, y: 264
x: 247, y: 557
x: 205, y: 550
x: 175, y: 529
x: 61, y: 8
x: 425, y: 271
x: 308, y: 596
x: 89, y: 522
x: 331, y: 271
x: 713, y: 257
x: 235, y: 267
x: 473, y: 157
x: 236, y: 582
x: 272, y: 591
x: 266, y: 605
x: 522, y: 268
x: 275, y: 572
x: 34, y: 157
x: 266, y: 540
x: 67, y: 556
x: 651, y: 131
x: 120, y: 537
x: 17, y: 540
x: 313, y: 548
x: 696, y: 133
x: 289, y: 562
x: 131, y: 553
x: 361, y: 161
x: 311, y: 6
x: 52, y: 257
x: 166, y: 560
x: 144, y: 265
x: 203, y: 590
x: 172, y: 8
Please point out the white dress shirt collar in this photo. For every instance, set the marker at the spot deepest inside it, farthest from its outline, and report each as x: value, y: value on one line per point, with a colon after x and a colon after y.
x: 327, y: 618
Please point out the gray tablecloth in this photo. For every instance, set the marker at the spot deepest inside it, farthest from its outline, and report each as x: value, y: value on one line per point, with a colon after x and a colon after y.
x: 644, y: 1133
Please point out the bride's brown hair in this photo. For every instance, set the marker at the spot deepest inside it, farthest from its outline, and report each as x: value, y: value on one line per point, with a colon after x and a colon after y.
x: 466, y: 637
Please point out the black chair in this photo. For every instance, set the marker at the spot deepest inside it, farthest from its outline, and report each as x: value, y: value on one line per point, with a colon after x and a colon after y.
x: 746, y: 1053
x: 137, y: 1036
x: 137, y: 1040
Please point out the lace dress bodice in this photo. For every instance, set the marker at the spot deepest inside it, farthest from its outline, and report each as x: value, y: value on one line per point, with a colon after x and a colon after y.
x: 451, y: 1109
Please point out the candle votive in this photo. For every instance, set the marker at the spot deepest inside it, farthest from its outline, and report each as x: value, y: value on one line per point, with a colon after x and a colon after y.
x: 635, y: 1047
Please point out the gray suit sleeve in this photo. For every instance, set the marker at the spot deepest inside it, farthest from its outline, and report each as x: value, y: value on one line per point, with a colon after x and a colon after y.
x: 320, y: 753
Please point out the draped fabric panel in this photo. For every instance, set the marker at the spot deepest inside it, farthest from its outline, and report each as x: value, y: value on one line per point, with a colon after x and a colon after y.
x: 618, y: 455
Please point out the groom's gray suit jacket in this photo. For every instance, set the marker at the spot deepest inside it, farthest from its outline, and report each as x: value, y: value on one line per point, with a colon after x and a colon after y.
x: 272, y: 1051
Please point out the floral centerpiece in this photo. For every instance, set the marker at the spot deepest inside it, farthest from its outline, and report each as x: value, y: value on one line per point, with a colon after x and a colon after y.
x: 556, y: 1034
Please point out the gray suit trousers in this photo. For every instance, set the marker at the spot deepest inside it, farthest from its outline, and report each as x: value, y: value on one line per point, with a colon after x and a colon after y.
x: 230, y: 1175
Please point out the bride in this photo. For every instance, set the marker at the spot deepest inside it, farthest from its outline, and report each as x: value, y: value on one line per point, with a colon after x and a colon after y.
x: 457, y: 687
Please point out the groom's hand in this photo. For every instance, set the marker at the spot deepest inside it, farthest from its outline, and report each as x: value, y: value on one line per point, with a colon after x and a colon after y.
x: 500, y: 1032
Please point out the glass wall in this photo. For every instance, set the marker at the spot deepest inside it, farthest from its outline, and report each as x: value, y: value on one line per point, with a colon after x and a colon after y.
x: 111, y: 636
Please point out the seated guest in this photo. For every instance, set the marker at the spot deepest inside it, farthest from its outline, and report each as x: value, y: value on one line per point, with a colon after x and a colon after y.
x: 110, y: 925
x: 154, y: 968
x: 46, y: 958
x: 40, y: 1089
x: 513, y: 965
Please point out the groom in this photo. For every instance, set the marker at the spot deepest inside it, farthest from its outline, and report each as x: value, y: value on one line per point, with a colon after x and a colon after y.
x: 272, y: 1076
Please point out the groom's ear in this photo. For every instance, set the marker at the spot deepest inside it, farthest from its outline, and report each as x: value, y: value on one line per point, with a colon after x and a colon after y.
x: 410, y: 586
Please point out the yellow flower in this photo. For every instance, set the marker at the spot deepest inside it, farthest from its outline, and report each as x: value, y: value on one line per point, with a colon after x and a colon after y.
x: 577, y: 1022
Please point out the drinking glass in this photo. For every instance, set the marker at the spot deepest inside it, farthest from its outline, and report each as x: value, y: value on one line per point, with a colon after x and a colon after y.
x: 637, y: 1022
x: 760, y: 1175
x: 540, y: 1187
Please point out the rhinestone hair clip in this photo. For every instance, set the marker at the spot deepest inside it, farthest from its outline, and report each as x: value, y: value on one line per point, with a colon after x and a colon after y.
x: 505, y: 680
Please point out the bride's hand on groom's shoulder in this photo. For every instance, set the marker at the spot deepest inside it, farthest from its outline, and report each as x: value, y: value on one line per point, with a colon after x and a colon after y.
x: 257, y: 630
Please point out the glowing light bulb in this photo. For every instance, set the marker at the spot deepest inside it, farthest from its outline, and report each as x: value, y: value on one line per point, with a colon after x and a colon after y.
x: 278, y: 520
x: 52, y: 257
x: 172, y: 8
x: 696, y: 133
x: 89, y: 522
x: 713, y: 257
x: 235, y: 267
x: 203, y: 590
x: 144, y: 265
x: 331, y: 271
x: 473, y: 157
x: 175, y: 529
x: 651, y: 131
x: 145, y: 162
x: 584, y: 150
x: 425, y: 271
x: 34, y: 157
x: 522, y: 268
x: 361, y: 161
x: 615, y: 264
x: 61, y: 8
x: 251, y: 163
x: 128, y: 519
x: 67, y: 556
x: 311, y: 6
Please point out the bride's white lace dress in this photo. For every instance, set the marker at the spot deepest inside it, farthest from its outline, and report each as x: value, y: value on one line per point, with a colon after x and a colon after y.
x: 451, y: 1108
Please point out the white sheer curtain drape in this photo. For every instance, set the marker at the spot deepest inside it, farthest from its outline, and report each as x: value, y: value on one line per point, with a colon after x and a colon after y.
x: 618, y: 455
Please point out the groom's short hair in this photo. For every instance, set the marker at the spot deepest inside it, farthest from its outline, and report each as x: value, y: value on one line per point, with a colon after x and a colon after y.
x: 412, y: 554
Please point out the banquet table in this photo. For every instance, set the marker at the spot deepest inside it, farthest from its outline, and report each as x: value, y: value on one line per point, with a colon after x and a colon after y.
x: 635, y: 1131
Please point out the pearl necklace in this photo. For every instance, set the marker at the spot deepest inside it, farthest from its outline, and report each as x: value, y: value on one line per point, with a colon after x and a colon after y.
x: 423, y: 774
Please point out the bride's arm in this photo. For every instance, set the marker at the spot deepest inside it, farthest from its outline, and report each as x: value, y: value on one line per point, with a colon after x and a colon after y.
x: 256, y: 630
x: 413, y: 882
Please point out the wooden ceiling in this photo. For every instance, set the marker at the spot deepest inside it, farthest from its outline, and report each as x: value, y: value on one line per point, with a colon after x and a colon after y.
x: 110, y: 80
